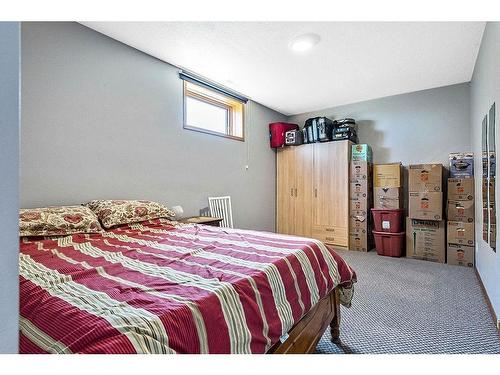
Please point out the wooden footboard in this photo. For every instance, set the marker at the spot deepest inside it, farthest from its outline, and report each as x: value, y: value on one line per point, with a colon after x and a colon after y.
x: 306, y: 333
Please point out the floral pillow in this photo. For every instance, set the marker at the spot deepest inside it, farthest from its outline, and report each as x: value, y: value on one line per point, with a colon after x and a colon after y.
x: 57, y: 221
x: 117, y: 212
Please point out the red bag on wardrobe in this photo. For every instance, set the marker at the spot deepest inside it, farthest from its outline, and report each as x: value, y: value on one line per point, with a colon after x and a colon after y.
x: 277, y: 132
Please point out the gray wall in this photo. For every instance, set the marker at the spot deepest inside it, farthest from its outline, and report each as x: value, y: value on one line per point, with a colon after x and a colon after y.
x: 414, y: 128
x: 103, y: 120
x: 9, y: 185
x: 485, y: 89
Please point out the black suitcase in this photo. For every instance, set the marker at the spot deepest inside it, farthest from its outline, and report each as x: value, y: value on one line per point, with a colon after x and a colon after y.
x: 304, y: 135
x: 318, y: 129
x: 312, y: 130
x: 325, y: 129
x: 343, y: 133
x: 346, y: 123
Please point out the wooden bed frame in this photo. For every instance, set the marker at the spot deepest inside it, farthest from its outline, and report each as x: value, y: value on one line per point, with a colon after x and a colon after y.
x: 306, y: 333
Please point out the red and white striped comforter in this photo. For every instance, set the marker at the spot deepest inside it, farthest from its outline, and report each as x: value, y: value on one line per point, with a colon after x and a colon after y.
x: 155, y: 287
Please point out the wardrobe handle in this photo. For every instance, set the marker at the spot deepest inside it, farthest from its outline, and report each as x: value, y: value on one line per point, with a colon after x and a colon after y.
x: 315, y: 193
x: 295, y: 191
x: 291, y: 192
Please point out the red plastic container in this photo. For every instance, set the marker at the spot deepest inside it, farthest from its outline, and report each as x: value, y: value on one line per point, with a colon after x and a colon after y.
x: 277, y: 132
x: 389, y: 244
x: 386, y: 220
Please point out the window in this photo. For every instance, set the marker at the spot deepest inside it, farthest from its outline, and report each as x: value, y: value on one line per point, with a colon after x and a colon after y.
x: 210, y: 111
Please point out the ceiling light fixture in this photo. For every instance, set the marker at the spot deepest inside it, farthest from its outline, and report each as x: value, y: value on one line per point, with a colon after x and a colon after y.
x: 304, y: 42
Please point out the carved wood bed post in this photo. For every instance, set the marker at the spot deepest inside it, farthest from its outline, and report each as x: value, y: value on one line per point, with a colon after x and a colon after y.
x: 335, y: 323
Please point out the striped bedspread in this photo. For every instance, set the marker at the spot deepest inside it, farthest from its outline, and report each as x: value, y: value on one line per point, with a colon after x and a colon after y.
x: 162, y: 287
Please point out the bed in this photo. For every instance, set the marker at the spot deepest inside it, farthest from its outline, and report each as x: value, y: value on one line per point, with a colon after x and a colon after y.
x: 159, y: 286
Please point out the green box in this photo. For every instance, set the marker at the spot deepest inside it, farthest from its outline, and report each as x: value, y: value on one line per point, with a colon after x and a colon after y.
x: 362, y: 152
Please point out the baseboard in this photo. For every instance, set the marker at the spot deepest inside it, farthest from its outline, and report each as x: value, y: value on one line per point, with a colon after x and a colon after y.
x: 496, y: 321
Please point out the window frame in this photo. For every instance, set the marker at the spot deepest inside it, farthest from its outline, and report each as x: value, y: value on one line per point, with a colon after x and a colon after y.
x: 218, y: 103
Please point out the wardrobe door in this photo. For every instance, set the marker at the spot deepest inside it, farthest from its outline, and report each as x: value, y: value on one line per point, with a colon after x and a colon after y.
x: 303, y: 189
x: 285, y: 188
x: 340, y: 195
x: 331, y: 192
x: 324, y: 179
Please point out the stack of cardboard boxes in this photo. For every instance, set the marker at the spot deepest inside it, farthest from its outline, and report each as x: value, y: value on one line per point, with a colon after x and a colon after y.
x: 425, y: 227
x: 460, y: 249
x: 360, y: 184
x: 388, y: 186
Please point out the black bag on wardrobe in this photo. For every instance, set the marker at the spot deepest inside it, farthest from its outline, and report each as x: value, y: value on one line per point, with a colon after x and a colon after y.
x: 311, y: 134
x: 305, y: 139
x: 346, y: 123
x: 319, y: 129
x: 342, y: 133
x: 325, y: 128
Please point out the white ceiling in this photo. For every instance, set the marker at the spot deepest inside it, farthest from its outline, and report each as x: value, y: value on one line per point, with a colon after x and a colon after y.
x: 354, y: 61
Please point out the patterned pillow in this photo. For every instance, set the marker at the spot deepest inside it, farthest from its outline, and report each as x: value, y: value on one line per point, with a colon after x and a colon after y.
x: 57, y: 221
x: 116, y: 212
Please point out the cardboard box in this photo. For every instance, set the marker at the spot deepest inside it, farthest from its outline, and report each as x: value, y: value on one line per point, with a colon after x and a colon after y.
x: 360, y: 186
x: 360, y: 196
x: 460, y: 233
x: 461, y: 165
x: 461, y: 211
x: 388, y: 175
x: 363, y: 205
x: 388, y: 198
x: 425, y: 205
x: 367, y: 183
x: 360, y: 202
x: 359, y: 221
x: 359, y: 226
x: 359, y: 231
x: 460, y: 255
x: 361, y: 152
x: 461, y: 189
x: 359, y: 241
x: 360, y: 170
x: 425, y: 177
x: 425, y: 239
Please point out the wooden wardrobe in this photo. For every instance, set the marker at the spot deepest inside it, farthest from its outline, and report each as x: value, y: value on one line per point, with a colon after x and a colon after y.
x: 313, y: 191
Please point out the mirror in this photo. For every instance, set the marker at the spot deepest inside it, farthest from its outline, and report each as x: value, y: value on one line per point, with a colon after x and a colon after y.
x: 484, y: 178
x: 489, y: 178
x: 491, y: 184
